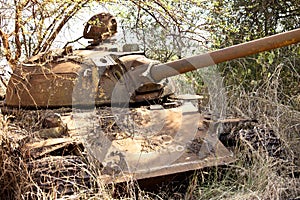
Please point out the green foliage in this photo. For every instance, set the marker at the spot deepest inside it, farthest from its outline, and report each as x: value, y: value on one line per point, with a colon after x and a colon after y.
x: 239, y: 21
x: 167, y: 30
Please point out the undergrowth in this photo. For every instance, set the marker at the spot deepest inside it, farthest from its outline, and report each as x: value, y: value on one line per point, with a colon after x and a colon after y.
x: 256, y: 174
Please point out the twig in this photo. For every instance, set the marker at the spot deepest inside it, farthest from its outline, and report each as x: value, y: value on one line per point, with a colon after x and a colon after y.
x: 72, y: 41
x: 2, y: 81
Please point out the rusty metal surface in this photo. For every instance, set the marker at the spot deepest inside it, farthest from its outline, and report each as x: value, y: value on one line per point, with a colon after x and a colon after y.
x: 41, y: 90
x: 199, y: 150
x: 181, y: 66
x: 74, y: 81
x: 196, y: 151
x: 187, y: 162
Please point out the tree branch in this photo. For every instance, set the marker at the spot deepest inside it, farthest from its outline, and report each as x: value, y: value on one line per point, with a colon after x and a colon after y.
x: 17, y: 29
x: 51, y: 27
x: 160, y: 4
x: 66, y: 18
x: 147, y: 11
x: 7, y: 52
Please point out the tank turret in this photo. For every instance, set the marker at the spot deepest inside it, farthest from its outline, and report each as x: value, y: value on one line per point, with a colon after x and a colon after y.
x: 49, y: 79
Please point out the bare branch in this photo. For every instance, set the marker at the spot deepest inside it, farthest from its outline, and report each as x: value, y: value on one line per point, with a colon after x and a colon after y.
x: 7, y: 50
x: 17, y: 29
x: 148, y: 11
x: 159, y: 3
x: 50, y: 29
x: 66, y: 18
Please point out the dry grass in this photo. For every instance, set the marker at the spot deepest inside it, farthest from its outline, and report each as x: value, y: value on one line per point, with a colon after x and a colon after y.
x: 51, y: 177
x: 257, y: 174
x: 13, y: 173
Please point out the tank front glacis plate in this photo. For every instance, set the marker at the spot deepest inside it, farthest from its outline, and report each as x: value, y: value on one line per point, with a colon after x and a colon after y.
x: 145, y: 143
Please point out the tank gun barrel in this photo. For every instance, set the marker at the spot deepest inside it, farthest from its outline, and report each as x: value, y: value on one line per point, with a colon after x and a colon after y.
x: 161, y: 71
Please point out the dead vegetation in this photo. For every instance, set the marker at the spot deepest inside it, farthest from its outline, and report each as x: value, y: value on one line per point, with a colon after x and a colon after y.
x: 267, y: 166
x: 26, y: 173
x: 13, y: 173
x: 267, y: 152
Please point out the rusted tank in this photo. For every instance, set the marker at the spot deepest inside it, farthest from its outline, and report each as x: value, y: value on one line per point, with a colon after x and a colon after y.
x: 137, y: 127
x: 48, y: 79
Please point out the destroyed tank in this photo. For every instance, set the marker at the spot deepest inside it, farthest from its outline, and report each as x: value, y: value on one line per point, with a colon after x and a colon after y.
x: 123, y: 105
x: 48, y: 79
